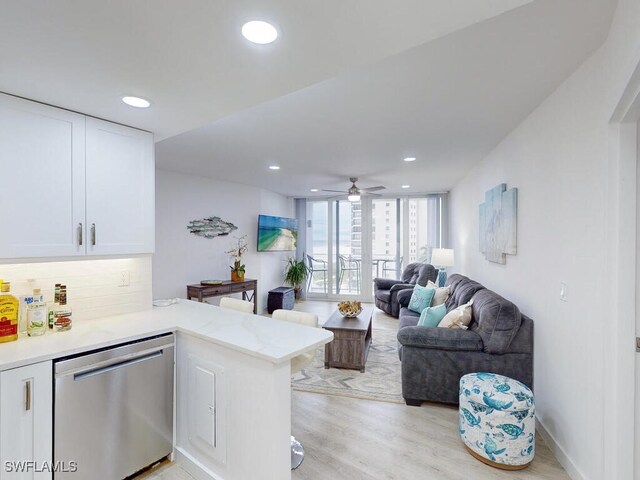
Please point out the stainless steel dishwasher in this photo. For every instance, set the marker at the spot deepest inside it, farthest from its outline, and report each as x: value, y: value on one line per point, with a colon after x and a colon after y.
x: 113, y: 410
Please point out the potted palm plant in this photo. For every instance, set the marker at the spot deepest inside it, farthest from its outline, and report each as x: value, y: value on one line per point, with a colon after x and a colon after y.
x: 295, y: 274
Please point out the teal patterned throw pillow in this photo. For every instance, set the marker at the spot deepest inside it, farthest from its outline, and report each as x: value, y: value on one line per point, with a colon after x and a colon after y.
x: 432, y: 316
x: 421, y: 298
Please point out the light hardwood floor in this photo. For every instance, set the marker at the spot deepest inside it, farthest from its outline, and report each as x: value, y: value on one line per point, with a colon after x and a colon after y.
x: 355, y: 439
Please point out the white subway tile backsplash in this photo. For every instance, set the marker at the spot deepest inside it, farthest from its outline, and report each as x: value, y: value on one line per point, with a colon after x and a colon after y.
x: 93, y: 285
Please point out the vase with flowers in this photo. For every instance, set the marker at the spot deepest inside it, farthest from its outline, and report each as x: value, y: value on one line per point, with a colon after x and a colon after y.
x: 238, y: 249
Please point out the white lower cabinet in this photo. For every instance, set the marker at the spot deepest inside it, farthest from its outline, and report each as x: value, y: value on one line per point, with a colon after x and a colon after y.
x: 26, y: 422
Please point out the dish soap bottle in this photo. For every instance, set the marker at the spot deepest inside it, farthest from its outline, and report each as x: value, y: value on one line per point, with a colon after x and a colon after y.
x: 37, y: 315
x: 9, y: 309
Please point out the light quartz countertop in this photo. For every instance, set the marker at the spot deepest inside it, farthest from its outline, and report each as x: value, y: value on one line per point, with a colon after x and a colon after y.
x: 262, y: 337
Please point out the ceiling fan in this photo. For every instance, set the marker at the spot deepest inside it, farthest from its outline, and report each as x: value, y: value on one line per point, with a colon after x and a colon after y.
x: 354, y: 193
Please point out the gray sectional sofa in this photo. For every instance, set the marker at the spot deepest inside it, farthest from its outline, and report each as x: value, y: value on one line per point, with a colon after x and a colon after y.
x: 499, y: 340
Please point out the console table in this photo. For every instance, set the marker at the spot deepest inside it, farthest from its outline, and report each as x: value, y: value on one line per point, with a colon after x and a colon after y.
x: 206, y: 291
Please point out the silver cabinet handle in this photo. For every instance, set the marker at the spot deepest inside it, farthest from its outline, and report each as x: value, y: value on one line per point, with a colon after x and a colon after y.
x: 93, y: 234
x: 27, y: 399
x: 80, y: 234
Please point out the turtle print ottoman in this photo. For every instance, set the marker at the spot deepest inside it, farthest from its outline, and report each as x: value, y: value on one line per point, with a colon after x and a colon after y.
x: 497, y: 420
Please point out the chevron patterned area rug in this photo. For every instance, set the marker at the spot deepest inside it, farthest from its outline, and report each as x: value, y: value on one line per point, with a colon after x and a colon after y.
x: 381, y: 380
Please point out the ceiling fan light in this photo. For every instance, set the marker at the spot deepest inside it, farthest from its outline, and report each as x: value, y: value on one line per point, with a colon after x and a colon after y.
x: 353, y: 198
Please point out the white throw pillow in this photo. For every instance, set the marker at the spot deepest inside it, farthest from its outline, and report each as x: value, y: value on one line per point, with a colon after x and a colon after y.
x: 458, y: 318
x: 441, y: 295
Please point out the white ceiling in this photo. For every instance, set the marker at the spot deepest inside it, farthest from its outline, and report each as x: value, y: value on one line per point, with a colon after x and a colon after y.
x: 448, y: 102
x: 188, y: 57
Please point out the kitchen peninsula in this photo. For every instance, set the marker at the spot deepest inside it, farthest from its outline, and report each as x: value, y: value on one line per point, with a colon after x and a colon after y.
x: 232, y: 387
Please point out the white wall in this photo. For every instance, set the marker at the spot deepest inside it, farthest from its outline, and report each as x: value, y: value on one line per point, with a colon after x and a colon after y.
x: 94, y: 289
x: 182, y: 258
x: 558, y: 159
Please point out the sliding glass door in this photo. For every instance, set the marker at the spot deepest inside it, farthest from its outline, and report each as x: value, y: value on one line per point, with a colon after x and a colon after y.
x: 317, y: 251
x: 348, y: 244
x: 347, y: 248
x: 386, y: 237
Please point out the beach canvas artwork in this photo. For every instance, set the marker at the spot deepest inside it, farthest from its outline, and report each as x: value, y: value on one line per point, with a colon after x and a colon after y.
x: 498, y: 224
x: 277, y: 234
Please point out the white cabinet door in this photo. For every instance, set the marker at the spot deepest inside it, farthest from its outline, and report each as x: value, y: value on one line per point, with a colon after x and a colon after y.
x: 120, y: 189
x: 42, y: 180
x: 26, y: 422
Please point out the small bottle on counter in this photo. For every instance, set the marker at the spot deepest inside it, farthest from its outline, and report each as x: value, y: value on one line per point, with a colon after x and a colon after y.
x: 9, y: 313
x: 37, y: 315
x: 62, y: 314
x: 56, y: 304
x: 25, y: 301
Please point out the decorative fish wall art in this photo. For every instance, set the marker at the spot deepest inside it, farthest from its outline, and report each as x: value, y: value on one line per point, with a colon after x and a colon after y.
x: 211, y: 227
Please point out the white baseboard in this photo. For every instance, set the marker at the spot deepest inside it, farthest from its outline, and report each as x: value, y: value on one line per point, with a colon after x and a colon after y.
x: 193, y: 467
x: 559, y: 453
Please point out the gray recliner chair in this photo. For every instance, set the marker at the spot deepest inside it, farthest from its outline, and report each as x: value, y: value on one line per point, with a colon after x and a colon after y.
x: 386, y: 290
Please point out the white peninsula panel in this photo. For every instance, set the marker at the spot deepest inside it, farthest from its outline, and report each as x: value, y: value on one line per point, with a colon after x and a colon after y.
x: 233, y: 413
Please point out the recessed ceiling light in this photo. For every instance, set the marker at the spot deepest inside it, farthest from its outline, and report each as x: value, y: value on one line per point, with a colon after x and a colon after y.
x: 314, y: 190
x: 410, y: 159
x: 136, y: 102
x: 274, y: 167
x: 259, y: 32
x: 406, y: 186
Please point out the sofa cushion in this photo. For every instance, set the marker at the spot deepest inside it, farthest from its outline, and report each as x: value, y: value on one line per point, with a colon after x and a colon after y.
x: 421, y: 298
x: 432, y: 316
x: 462, y: 290
x: 458, y: 317
x: 441, y: 295
x: 496, y: 320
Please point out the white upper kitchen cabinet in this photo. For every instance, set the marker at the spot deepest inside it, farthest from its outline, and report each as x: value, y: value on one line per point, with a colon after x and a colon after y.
x: 26, y: 422
x: 42, y: 180
x: 120, y: 168
x: 73, y: 185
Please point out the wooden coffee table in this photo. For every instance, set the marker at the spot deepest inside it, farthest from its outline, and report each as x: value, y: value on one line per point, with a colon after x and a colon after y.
x: 351, y: 340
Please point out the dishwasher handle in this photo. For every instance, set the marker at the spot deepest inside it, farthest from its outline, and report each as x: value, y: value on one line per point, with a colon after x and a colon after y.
x: 116, y: 366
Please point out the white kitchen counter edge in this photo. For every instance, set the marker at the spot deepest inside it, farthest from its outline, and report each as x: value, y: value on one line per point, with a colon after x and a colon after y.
x: 258, y: 336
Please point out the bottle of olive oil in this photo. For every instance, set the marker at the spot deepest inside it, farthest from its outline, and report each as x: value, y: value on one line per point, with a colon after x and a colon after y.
x: 9, y: 310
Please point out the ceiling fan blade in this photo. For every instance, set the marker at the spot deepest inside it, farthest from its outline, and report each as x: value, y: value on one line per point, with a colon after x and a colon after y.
x: 370, y: 194
x: 373, y: 189
x: 335, y: 191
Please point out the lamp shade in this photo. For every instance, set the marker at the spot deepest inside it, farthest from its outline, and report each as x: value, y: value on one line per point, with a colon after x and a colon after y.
x: 442, y: 257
